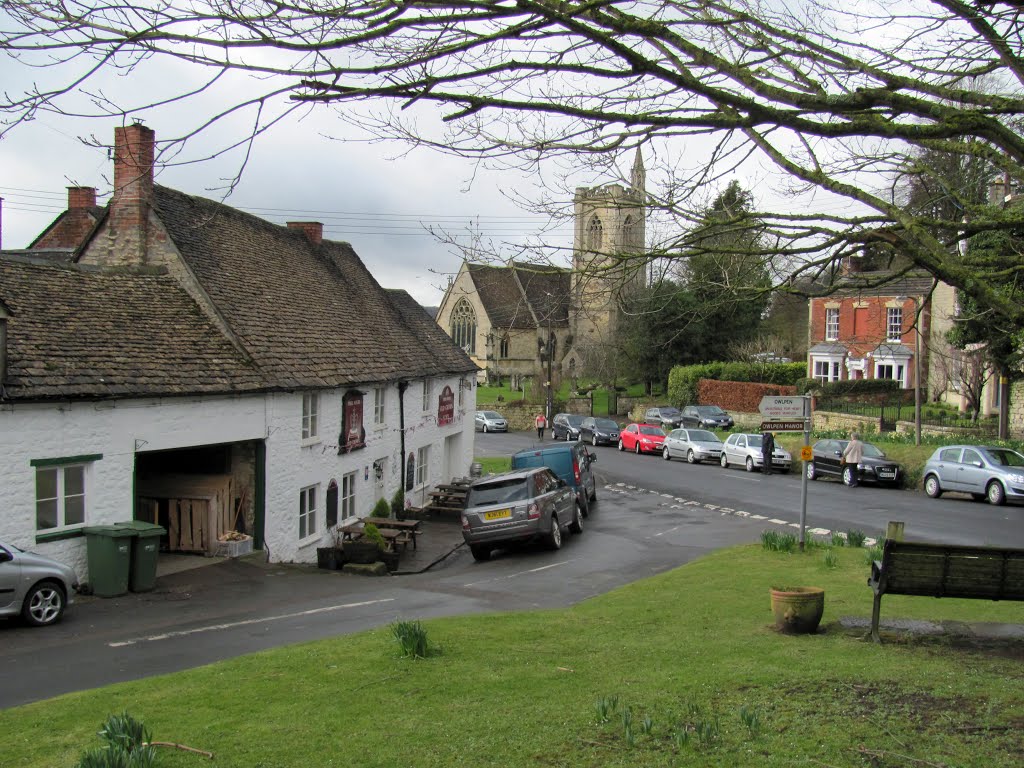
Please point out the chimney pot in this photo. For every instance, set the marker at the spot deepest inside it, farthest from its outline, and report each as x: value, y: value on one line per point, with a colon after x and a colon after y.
x: 314, y: 230
x: 81, y: 197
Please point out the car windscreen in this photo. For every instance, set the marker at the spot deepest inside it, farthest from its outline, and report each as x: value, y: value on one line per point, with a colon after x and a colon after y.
x: 1005, y: 458
x: 574, y: 421
x: 703, y: 436
x: 606, y: 424
x: 492, y: 415
x: 651, y: 431
x: 710, y: 410
x: 498, y: 492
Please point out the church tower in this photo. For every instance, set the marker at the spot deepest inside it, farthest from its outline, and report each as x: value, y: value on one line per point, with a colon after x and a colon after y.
x: 608, y: 248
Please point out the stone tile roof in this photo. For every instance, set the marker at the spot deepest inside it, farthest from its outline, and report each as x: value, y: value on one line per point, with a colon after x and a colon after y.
x: 519, y: 296
x: 83, y: 332
x: 436, y: 346
x: 309, y: 315
x: 875, y: 284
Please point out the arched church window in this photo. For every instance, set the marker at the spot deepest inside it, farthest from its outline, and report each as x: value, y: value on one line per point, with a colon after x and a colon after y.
x: 503, y: 346
x: 463, y: 326
x: 595, y: 234
x: 629, y: 232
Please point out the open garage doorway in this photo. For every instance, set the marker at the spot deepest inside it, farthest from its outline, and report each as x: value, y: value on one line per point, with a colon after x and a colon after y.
x: 208, y: 498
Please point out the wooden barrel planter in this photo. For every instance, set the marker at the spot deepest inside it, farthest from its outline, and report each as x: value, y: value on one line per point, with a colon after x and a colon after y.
x: 797, y: 610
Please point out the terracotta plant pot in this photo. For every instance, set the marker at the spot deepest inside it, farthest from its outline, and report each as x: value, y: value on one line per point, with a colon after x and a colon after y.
x: 797, y: 610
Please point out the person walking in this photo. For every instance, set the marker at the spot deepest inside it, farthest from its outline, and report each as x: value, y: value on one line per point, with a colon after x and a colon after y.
x: 541, y: 423
x: 852, y: 454
x: 767, y: 449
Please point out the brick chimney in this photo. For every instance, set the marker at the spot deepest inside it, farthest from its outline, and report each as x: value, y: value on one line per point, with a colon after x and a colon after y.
x: 313, y: 230
x: 134, y: 148
x: 81, y: 197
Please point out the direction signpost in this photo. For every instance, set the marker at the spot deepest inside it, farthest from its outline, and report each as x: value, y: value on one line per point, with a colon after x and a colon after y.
x: 791, y: 413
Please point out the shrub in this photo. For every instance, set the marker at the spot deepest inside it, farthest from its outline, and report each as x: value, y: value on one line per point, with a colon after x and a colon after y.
x: 127, y: 745
x: 372, y: 533
x: 381, y: 508
x: 398, y: 503
x: 412, y: 638
x: 855, y: 538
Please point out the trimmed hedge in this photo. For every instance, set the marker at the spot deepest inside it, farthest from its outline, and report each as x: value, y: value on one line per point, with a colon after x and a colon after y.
x: 855, y: 387
x: 684, y: 380
x: 739, y: 396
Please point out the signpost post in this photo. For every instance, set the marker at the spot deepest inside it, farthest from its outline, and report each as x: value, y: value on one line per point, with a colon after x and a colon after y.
x: 791, y: 413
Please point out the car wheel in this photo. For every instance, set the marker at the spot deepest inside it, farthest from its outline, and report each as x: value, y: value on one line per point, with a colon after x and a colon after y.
x: 810, y: 471
x: 724, y: 461
x: 996, y: 493
x: 480, y: 552
x: 666, y: 454
x: 568, y: 437
x: 593, y: 440
x: 44, y: 604
x: 593, y: 497
x: 577, y: 523
x: 848, y: 477
x: 750, y: 464
x: 690, y: 458
x: 621, y: 446
x: 485, y: 428
x: 636, y: 447
x: 932, y: 487
x: 555, y: 534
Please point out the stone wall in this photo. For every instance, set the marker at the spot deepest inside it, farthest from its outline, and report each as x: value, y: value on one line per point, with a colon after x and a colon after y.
x: 826, y: 420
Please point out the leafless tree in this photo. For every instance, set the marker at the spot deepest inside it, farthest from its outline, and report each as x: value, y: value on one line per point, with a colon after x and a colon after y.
x: 836, y: 95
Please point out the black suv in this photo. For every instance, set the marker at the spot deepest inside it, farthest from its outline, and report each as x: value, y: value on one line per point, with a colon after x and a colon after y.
x: 566, y: 426
x: 706, y: 417
x: 664, y: 416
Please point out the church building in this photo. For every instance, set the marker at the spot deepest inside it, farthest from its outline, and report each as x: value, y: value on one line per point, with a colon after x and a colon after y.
x: 538, y: 320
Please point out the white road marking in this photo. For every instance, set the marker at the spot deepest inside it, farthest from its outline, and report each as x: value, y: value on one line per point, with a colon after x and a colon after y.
x: 758, y: 517
x: 741, y: 513
x: 670, y: 530
x: 777, y: 521
x: 247, y: 622
x: 822, y: 532
x: 793, y: 525
x: 522, y: 573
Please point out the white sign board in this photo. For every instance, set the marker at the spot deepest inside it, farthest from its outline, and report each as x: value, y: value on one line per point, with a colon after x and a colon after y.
x: 781, y: 407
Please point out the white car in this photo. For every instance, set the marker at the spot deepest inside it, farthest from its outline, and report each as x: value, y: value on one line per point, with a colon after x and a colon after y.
x: 745, y: 449
x: 36, y: 587
x: 694, y: 445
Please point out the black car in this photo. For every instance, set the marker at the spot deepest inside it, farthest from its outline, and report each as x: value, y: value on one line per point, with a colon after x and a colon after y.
x: 664, y: 416
x: 706, y: 417
x: 566, y: 426
x: 873, y: 467
x: 599, y: 431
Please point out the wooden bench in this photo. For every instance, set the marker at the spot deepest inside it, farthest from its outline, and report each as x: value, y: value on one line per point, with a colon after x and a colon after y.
x: 411, y: 528
x: 392, y: 536
x: 945, y: 570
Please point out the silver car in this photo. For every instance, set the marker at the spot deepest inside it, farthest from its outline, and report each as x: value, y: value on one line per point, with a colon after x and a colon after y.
x: 519, y: 506
x: 490, y: 421
x: 34, y: 586
x: 745, y: 449
x: 695, y: 445
x: 985, y: 472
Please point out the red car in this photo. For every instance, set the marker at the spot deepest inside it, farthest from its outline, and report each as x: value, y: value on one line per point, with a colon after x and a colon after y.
x: 641, y: 438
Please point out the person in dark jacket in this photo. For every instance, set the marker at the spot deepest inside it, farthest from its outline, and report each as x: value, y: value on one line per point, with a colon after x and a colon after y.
x: 767, y: 449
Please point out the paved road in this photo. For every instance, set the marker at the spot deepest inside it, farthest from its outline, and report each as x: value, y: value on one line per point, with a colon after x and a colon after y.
x: 651, y: 516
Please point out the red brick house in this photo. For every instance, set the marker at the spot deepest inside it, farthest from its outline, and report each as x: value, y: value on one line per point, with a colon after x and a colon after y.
x: 870, y: 331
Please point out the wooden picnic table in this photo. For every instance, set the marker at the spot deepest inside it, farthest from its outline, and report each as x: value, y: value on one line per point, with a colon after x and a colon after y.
x: 391, y: 536
x: 411, y: 527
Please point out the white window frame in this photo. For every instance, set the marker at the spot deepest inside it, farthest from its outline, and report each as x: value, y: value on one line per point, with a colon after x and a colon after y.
x: 426, y: 395
x: 347, y: 497
x: 310, y: 417
x: 831, y: 323
x: 379, y: 401
x: 832, y: 365
x: 308, y: 511
x: 900, y: 369
x: 60, y: 501
x: 422, y: 465
x: 894, y: 323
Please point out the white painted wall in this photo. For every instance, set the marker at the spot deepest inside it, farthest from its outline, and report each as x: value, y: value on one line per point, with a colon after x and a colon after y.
x: 118, y: 430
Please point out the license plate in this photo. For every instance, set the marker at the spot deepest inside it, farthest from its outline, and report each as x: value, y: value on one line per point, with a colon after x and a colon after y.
x: 498, y: 514
x: 887, y: 473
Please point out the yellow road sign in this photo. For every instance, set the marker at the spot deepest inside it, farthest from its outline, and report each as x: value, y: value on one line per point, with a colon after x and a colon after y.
x: 806, y: 454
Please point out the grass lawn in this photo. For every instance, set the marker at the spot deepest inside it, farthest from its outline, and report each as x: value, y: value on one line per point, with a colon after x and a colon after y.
x: 690, y: 655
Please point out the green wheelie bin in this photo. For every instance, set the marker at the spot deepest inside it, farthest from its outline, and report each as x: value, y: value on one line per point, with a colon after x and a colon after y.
x: 145, y: 550
x: 108, y: 552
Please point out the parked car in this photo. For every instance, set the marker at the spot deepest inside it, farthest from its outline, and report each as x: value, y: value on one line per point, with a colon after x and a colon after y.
x: 664, y: 416
x: 745, y: 449
x: 570, y: 463
x: 642, y: 438
x: 706, y: 417
x: 519, y: 506
x: 985, y: 472
x: 599, y: 431
x: 566, y: 426
x: 695, y: 445
x: 490, y: 421
x: 36, y: 587
x: 872, y: 468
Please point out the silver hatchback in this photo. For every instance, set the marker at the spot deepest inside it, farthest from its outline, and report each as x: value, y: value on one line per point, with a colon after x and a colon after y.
x: 36, y: 587
x: 985, y: 472
x: 519, y: 506
x: 695, y: 445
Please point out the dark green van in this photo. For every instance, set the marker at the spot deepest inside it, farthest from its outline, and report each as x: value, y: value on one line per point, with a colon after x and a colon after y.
x: 572, y: 462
